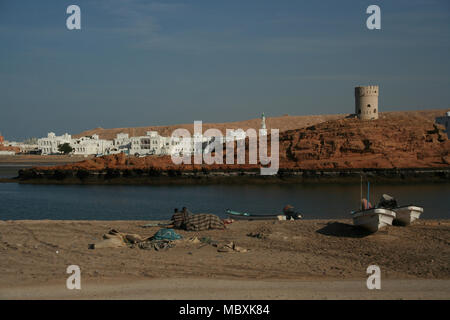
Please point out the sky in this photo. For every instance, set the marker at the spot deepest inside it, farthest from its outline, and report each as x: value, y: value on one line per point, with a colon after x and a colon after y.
x: 141, y: 63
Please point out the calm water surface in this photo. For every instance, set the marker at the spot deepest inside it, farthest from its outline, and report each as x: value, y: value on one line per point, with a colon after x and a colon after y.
x: 10, y: 170
x: 157, y: 202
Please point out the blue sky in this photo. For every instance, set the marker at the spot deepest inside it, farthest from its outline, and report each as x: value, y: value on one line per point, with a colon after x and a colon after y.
x: 138, y: 63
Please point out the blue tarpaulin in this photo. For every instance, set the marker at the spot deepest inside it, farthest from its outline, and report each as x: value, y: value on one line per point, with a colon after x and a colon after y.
x: 166, y: 234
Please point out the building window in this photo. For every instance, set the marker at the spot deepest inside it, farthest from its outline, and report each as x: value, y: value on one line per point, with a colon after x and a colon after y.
x: 375, y: 110
x: 368, y: 106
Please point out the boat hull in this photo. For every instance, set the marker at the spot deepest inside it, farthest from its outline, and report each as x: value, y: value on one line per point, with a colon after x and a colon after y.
x: 246, y: 216
x: 407, y: 214
x: 253, y: 217
x: 373, y: 219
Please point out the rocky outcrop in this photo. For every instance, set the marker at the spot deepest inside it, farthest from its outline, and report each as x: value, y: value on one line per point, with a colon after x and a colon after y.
x: 351, y: 143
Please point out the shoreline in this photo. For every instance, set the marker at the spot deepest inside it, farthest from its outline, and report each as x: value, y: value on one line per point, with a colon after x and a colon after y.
x: 150, y: 176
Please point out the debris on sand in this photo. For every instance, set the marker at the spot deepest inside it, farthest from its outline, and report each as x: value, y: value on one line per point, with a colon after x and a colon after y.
x: 157, y: 245
x: 208, y: 240
x: 262, y: 232
x: 231, y: 247
x: 161, y: 240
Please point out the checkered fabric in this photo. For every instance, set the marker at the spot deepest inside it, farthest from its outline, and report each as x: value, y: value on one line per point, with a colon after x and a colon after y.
x: 203, y: 221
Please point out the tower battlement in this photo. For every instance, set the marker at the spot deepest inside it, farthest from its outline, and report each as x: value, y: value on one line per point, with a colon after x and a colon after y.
x: 366, y: 91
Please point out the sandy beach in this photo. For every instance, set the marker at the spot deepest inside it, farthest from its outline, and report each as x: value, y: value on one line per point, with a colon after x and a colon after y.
x: 226, y: 289
x: 317, y: 259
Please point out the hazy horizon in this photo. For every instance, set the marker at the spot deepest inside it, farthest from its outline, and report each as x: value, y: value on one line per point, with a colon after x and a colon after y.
x: 148, y: 63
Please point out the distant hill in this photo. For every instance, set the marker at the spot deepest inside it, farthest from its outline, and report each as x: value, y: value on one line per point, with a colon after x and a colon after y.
x: 282, y: 123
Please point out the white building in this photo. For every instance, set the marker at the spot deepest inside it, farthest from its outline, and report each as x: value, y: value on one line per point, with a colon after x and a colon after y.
x: 122, y: 139
x: 24, y: 147
x: 445, y: 121
x: 184, y: 145
x: 49, y: 145
x: 90, y: 145
x: 27, y: 148
x: 235, y: 135
x: 122, y: 143
x: 144, y: 145
x: 153, y: 143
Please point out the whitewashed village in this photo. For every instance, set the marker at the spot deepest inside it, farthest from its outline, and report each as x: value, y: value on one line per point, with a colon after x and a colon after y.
x: 150, y: 144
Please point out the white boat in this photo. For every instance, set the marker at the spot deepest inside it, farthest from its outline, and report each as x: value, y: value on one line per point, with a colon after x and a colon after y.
x: 405, y: 215
x: 373, y: 219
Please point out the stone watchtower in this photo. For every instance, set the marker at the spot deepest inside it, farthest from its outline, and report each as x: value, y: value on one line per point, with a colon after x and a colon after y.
x: 366, y: 102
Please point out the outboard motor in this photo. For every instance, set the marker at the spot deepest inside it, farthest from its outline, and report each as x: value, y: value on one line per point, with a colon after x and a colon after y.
x: 291, y: 214
x: 387, y: 201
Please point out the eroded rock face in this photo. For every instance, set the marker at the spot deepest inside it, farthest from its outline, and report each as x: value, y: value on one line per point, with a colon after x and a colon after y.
x: 352, y: 143
x: 402, y: 142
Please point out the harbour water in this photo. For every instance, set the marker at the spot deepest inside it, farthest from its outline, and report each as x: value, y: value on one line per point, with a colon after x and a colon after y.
x: 10, y: 170
x: 103, y: 202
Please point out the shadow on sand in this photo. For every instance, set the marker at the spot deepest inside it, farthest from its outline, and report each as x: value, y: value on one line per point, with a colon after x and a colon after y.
x: 338, y: 229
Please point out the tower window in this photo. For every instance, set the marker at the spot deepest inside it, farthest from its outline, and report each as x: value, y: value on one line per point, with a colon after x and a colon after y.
x: 375, y: 110
x: 368, y: 106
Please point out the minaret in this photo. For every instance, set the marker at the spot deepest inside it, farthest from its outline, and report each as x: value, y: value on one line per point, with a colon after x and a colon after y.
x: 263, y: 130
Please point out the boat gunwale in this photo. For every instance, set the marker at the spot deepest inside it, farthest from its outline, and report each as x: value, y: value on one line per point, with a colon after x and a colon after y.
x: 249, y: 215
x: 410, y: 207
x: 375, y: 211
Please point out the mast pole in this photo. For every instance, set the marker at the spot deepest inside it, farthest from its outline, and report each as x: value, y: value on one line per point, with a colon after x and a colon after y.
x: 360, y: 195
